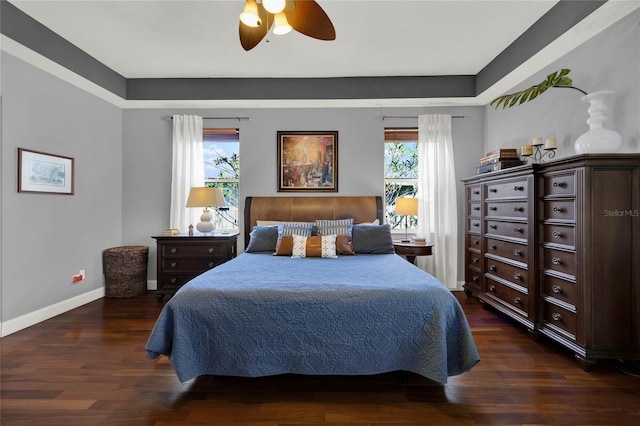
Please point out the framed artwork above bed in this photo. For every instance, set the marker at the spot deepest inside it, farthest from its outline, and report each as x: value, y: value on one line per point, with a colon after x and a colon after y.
x: 307, y: 161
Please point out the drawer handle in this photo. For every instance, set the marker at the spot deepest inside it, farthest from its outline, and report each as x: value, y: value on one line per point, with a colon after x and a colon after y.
x: 517, y: 252
x: 558, y: 209
x: 494, y: 190
x: 174, y: 250
x: 211, y: 249
x: 476, y: 192
x: 173, y: 264
x: 556, y: 289
x: 493, y: 247
x: 210, y: 264
x: 476, y: 242
x: 475, y: 260
x: 556, y: 234
x: 517, y: 276
x: 475, y: 279
x: 559, y: 184
x: 556, y: 316
x: 493, y: 208
x: 493, y: 226
x: 173, y: 280
x: 556, y: 260
x: 517, y: 301
x: 518, y: 230
x: 518, y: 209
x: 492, y: 288
x: 492, y: 268
x: 476, y: 208
x: 518, y: 188
x: 476, y: 224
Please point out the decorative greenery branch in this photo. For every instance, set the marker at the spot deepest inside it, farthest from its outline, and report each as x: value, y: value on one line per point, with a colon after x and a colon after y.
x: 557, y: 79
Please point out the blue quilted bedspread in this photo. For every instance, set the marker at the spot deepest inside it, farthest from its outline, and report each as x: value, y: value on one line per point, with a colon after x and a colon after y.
x: 260, y: 315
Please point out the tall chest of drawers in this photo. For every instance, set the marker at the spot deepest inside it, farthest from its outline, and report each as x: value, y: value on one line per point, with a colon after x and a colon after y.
x: 181, y: 258
x: 582, y: 242
x: 500, y: 255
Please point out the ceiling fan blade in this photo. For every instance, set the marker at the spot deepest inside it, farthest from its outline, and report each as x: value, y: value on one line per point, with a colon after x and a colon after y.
x: 308, y: 18
x: 251, y: 36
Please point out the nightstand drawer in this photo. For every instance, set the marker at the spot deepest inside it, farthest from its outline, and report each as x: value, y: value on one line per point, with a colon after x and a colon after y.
x: 190, y: 264
x: 193, y: 249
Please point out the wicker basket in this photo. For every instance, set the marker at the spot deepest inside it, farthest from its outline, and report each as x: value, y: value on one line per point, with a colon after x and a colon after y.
x: 125, y: 270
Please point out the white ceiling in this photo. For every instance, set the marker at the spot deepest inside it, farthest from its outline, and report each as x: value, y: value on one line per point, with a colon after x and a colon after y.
x: 162, y: 39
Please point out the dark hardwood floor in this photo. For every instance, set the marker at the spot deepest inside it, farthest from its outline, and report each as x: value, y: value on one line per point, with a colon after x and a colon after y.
x: 88, y: 367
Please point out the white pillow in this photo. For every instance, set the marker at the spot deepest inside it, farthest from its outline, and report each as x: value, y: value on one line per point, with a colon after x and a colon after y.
x: 267, y: 222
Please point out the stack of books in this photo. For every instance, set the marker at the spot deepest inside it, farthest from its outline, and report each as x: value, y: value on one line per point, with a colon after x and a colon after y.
x: 418, y: 240
x: 170, y: 232
x: 497, y: 160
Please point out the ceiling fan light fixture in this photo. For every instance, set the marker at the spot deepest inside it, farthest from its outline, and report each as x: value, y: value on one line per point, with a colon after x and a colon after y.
x: 274, y: 6
x: 281, y: 24
x: 249, y: 16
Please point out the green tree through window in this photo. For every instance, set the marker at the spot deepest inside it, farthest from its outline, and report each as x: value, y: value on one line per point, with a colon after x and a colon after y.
x: 400, y: 173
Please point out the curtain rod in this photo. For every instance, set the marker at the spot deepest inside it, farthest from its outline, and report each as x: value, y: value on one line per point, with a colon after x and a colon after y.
x: 217, y: 118
x: 384, y: 117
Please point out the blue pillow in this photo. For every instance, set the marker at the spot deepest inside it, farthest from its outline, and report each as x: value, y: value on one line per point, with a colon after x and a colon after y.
x: 372, y: 239
x: 263, y: 239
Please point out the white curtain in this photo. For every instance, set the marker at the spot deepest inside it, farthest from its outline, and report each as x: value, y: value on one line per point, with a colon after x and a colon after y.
x: 437, y: 200
x: 187, y: 169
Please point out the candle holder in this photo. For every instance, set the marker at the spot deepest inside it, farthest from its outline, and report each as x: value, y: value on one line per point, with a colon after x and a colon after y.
x: 538, y: 154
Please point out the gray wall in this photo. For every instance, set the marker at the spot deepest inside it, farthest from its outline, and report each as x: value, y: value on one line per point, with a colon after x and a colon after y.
x: 48, y: 238
x: 609, y: 61
x: 147, y: 155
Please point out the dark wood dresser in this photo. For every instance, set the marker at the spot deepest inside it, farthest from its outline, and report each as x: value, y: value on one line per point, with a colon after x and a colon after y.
x: 556, y: 246
x: 181, y: 258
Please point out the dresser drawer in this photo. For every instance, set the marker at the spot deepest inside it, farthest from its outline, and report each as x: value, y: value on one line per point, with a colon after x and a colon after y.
x: 475, y: 259
x: 474, y: 193
x: 558, y: 234
x: 563, y: 210
x: 559, y: 184
x: 474, y: 209
x: 560, y: 261
x: 178, y: 249
x: 559, y: 317
x: 560, y: 289
x: 510, y: 189
x: 474, y: 276
x: 474, y: 225
x: 517, y: 276
x: 508, y: 229
x: 474, y: 242
x: 513, y: 251
x: 189, y: 264
x: 516, y: 209
x: 513, y: 298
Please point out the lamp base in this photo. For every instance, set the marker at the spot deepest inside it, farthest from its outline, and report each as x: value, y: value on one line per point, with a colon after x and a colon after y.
x: 205, y: 225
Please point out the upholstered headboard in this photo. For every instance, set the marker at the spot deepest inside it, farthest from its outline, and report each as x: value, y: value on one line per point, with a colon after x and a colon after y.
x: 361, y: 208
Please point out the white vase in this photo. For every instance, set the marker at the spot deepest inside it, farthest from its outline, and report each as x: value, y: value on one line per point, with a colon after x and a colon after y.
x: 597, y: 139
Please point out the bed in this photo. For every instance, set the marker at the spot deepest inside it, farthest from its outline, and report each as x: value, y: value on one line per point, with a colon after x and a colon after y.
x: 260, y: 314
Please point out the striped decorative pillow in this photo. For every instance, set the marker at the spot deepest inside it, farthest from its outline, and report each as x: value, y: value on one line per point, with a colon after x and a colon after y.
x: 334, y: 227
x: 295, y: 228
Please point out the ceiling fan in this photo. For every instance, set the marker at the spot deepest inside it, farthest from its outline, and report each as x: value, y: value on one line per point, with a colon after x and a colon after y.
x: 304, y: 16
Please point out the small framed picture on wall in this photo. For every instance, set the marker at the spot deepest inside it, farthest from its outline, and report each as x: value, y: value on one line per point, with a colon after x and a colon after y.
x: 44, y: 173
x: 307, y: 161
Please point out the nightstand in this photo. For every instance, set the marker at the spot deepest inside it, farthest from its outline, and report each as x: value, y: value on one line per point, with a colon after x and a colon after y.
x: 182, y: 257
x: 411, y: 250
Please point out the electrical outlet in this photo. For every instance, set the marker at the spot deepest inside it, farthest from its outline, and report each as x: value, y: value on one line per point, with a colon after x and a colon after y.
x: 82, y: 273
x: 79, y: 277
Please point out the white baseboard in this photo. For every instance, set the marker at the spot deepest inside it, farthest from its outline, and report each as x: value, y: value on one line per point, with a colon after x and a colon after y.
x: 152, y: 284
x: 32, y: 318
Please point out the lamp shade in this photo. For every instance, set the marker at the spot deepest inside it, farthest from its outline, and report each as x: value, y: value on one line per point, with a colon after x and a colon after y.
x: 205, y: 197
x: 407, y: 206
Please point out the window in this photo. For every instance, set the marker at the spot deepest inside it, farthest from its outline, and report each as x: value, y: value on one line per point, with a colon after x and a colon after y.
x: 221, y: 148
x: 400, y: 173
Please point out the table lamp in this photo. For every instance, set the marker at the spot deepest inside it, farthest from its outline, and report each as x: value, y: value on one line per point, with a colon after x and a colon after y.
x: 205, y: 197
x: 406, y: 207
